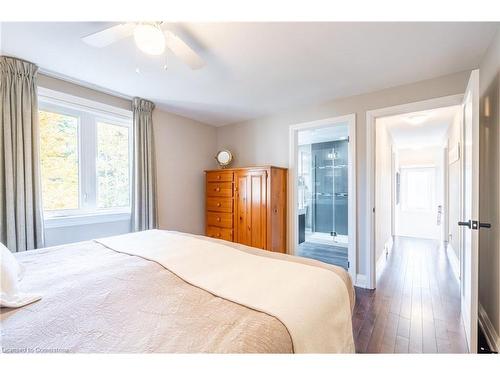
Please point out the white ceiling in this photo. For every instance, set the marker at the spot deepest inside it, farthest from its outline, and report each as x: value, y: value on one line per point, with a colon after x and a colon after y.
x: 256, y: 69
x: 432, y: 132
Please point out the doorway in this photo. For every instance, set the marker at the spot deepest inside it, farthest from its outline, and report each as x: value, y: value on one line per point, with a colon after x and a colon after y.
x: 392, y: 189
x: 412, y: 213
x: 323, y: 191
x: 465, y: 152
x: 412, y: 193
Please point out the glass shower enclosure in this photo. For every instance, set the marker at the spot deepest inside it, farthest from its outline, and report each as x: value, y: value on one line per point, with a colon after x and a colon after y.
x: 329, y: 203
x: 322, y: 188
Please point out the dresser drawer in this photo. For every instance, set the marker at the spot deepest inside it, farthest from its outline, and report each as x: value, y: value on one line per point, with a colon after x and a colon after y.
x: 220, y: 176
x: 219, y: 189
x: 220, y: 233
x: 220, y: 204
x: 220, y: 219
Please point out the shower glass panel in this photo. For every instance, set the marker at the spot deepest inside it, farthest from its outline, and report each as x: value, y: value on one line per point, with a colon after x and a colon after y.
x: 330, y: 187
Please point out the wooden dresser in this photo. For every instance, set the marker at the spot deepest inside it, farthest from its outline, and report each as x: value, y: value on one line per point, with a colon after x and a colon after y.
x: 248, y: 206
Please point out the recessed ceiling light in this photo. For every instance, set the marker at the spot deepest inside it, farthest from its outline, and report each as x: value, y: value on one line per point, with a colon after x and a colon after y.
x: 149, y: 38
x: 418, y: 118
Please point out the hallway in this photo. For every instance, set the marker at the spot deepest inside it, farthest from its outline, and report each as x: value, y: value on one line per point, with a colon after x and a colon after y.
x: 416, y: 306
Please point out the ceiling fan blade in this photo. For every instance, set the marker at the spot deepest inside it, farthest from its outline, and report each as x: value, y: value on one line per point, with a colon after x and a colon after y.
x: 110, y: 35
x: 183, y: 51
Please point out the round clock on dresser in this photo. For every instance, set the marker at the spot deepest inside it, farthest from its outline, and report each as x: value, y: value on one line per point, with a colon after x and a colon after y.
x: 224, y: 158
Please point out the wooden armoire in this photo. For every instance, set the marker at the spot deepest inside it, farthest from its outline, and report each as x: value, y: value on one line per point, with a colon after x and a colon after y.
x: 248, y: 206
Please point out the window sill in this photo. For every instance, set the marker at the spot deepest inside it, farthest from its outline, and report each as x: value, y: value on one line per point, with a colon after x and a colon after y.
x: 85, y: 219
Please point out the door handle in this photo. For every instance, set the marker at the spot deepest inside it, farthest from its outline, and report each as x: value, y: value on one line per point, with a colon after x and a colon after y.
x: 465, y: 224
x: 474, y: 224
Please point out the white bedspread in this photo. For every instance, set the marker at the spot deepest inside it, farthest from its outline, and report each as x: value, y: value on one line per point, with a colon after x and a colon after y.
x: 313, y: 303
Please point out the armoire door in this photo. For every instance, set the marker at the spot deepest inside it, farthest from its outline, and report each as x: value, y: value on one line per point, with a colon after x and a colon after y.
x: 250, y: 210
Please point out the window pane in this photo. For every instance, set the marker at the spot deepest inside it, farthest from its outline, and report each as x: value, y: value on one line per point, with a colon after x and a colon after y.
x: 59, y: 160
x: 112, y: 166
x: 418, y: 194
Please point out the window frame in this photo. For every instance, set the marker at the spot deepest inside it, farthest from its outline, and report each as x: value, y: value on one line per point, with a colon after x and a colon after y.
x: 89, y: 114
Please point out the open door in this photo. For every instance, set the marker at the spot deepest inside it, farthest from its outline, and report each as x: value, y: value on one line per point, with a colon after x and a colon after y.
x: 470, y: 216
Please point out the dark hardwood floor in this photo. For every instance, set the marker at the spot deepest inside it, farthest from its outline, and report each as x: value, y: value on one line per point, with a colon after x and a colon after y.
x: 326, y: 253
x: 416, y: 306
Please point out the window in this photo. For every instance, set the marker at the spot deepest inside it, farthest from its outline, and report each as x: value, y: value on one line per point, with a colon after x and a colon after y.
x: 85, y: 150
x: 112, y: 166
x: 418, y: 188
x: 59, y: 160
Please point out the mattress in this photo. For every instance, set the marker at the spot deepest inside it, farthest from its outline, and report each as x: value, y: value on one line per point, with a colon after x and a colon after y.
x: 98, y: 300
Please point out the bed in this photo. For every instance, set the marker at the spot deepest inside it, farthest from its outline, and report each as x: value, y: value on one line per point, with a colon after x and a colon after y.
x: 104, y: 296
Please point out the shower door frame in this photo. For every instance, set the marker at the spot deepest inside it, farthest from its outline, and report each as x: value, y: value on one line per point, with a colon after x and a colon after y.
x: 293, y: 219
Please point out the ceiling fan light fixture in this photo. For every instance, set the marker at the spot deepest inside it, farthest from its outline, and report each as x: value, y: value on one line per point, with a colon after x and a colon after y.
x: 149, y: 39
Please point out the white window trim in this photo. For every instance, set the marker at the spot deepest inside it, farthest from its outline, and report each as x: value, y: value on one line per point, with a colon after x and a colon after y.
x: 73, y: 105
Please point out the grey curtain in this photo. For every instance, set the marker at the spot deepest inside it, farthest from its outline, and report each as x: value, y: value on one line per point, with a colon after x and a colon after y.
x: 144, y: 172
x: 21, y: 222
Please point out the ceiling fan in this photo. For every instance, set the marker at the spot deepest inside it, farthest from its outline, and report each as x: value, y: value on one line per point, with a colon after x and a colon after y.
x: 150, y: 38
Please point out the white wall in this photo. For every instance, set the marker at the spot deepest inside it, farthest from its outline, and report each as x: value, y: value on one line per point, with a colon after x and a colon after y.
x: 75, y: 233
x: 1, y: 38
x: 184, y: 148
x: 421, y: 224
x: 383, y: 189
x: 81, y: 91
x: 489, y: 205
x: 265, y: 140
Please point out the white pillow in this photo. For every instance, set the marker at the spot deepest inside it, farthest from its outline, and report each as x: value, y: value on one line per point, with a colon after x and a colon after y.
x: 11, y: 272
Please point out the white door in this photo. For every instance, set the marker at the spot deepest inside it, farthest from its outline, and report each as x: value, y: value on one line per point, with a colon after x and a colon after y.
x: 470, y: 215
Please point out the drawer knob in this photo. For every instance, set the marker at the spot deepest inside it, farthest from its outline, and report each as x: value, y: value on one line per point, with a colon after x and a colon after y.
x: 218, y: 234
x: 218, y: 204
x: 218, y: 177
x: 218, y: 218
x: 217, y: 189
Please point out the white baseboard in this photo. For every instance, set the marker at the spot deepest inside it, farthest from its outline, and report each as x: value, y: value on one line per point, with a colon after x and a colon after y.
x: 452, y: 257
x: 361, y: 281
x: 489, y: 331
x: 381, y: 261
